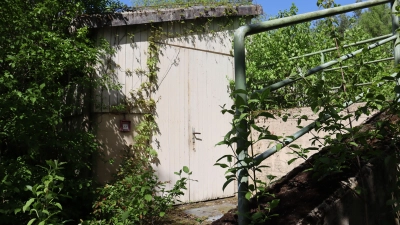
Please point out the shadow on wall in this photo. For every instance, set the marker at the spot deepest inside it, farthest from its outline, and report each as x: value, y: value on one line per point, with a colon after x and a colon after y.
x: 113, y: 143
x: 124, y: 71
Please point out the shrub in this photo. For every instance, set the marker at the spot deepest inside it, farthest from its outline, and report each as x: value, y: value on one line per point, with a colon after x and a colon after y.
x: 137, y: 196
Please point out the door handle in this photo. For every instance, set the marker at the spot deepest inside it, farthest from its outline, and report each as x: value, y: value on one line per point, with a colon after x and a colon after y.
x: 194, y: 138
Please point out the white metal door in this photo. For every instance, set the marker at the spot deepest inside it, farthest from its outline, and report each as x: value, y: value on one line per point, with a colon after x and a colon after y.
x: 208, y: 90
x: 193, y: 85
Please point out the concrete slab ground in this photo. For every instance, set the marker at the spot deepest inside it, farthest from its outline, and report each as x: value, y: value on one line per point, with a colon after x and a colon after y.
x: 199, y: 213
x: 210, y: 212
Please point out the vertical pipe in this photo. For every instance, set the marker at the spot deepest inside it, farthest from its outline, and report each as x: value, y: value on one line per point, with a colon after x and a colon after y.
x: 396, y: 46
x: 395, y: 26
x: 240, y: 84
x: 396, y: 53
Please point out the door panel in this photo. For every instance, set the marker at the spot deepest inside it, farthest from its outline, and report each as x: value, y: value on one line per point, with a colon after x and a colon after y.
x: 192, y: 87
x: 171, y: 141
x: 208, y: 90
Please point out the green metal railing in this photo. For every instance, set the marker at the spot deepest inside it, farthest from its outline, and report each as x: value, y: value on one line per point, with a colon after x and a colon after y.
x: 240, y: 77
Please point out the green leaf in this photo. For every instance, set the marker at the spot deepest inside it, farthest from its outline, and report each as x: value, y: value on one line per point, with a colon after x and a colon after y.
x: 186, y: 169
x: 225, y: 156
x: 162, y: 214
x: 304, y: 117
x: 27, y: 204
x: 256, y: 216
x: 339, y: 136
x: 125, y: 216
x: 42, y: 86
x: 265, y: 94
x: 31, y: 221
x: 354, y: 144
x: 223, y: 143
x: 257, y: 128
x: 242, y: 116
x: 222, y: 165
x: 226, y: 183
x: 58, y: 205
x: 266, y: 115
x: 59, y: 178
x: 148, y: 197
x: 239, y: 100
x: 269, y: 137
x: 291, y: 161
x: 17, y: 210
x: 274, y: 203
x: 248, y: 195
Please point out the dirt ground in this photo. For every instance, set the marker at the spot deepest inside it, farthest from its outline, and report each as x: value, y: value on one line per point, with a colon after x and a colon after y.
x: 177, y: 216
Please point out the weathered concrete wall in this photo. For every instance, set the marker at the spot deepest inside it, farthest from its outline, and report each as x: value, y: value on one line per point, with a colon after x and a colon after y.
x: 278, y: 163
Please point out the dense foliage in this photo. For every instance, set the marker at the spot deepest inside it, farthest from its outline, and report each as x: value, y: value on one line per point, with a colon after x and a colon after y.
x: 277, y: 55
x: 47, y: 143
x: 41, y: 62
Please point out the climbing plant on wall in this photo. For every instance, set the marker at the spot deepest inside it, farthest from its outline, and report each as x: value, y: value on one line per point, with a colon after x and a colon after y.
x: 150, y: 202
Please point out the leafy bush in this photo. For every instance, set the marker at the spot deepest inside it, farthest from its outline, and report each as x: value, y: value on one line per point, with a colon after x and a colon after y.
x: 44, y: 205
x: 45, y: 72
x: 137, y: 196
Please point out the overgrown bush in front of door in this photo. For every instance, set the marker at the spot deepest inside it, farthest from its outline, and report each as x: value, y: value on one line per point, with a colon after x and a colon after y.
x: 137, y: 196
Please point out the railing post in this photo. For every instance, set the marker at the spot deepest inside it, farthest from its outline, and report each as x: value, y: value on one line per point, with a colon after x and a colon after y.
x: 395, y: 26
x: 240, y: 84
x: 396, y: 46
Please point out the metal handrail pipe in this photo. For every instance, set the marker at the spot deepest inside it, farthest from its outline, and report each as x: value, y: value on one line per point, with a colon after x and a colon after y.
x: 345, y: 67
x: 370, y: 62
x: 334, y: 48
x: 306, y: 129
x: 292, y: 138
x: 355, y: 85
x: 323, y: 66
x: 344, y: 46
